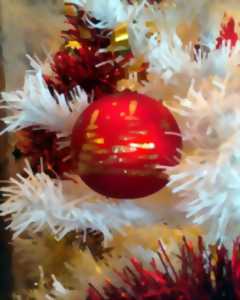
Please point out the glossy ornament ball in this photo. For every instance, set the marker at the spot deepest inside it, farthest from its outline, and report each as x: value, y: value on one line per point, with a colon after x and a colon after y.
x: 121, y: 144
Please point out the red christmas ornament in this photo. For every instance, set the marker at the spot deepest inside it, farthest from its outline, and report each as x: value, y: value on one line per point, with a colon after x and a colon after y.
x: 121, y: 144
x: 228, y: 34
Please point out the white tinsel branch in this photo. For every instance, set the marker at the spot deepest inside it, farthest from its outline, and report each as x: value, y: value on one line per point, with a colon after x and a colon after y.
x: 208, y: 179
x: 36, y: 106
x: 43, y: 67
x: 168, y: 57
x: 37, y: 201
x: 108, y: 13
x: 172, y: 65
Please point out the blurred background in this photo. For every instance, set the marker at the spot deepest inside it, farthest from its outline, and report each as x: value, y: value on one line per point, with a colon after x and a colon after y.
x: 26, y: 27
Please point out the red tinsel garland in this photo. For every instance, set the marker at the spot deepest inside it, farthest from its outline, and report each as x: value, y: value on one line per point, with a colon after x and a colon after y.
x: 38, y: 144
x: 203, y: 275
x: 95, y: 70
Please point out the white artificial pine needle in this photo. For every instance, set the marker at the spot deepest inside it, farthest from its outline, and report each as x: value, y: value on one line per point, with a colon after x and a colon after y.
x: 208, y: 179
x: 168, y: 57
x: 108, y: 13
x: 36, y: 202
x: 36, y: 106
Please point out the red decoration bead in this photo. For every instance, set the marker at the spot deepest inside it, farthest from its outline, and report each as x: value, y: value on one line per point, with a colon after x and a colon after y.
x: 121, y: 142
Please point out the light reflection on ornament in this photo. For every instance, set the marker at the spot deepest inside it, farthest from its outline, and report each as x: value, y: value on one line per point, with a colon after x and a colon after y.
x: 123, y: 149
x: 99, y: 141
x: 143, y: 146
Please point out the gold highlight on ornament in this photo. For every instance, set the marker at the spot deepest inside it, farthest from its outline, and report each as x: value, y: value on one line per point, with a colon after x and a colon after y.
x: 99, y: 141
x: 94, y: 117
x: 123, y: 149
x: 143, y: 145
x: 133, y: 107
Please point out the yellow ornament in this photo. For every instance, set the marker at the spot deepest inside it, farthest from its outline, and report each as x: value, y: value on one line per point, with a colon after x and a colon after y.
x: 119, y: 40
x: 74, y: 45
x: 70, y: 10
